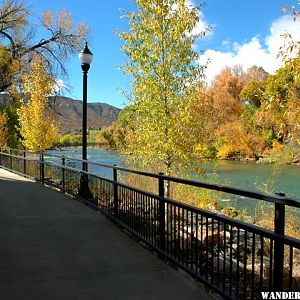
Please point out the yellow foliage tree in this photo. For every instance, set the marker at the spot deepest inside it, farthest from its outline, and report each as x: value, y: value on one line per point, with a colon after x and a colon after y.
x: 237, y: 142
x: 225, y: 91
x: 3, y: 129
x: 38, y: 125
x: 162, y: 64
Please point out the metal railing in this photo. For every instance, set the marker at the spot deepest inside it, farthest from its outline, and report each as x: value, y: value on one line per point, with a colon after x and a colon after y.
x: 236, y: 259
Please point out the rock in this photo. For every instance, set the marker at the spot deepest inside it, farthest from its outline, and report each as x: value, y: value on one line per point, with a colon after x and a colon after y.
x: 296, y: 278
x: 221, y: 259
x: 230, y: 212
x: 186, y: 238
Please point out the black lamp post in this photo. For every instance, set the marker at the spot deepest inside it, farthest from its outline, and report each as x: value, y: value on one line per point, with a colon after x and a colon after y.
x: 85, y: 59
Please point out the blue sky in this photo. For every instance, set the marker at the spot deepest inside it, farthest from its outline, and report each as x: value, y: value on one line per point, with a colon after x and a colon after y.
x: 244, y: 32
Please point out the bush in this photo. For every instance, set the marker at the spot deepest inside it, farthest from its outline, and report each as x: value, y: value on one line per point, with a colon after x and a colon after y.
x: 280, y: 154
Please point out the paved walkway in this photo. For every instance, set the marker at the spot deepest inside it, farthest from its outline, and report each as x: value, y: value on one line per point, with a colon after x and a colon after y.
x: 52, y: 247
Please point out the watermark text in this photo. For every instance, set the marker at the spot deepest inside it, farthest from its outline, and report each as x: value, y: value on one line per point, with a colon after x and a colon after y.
x: 280, y: 295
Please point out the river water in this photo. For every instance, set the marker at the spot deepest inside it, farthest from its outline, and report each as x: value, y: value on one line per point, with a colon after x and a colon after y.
x: 249, y: 175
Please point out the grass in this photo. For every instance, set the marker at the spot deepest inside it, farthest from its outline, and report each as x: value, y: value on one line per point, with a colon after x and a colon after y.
x: 281, y: 155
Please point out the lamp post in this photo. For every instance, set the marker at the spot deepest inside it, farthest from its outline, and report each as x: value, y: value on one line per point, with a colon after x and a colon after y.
x: 85, y: 59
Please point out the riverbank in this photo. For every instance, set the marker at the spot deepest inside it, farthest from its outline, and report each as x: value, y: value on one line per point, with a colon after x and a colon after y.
x: 284, y: 157
x: 241, y: 174
x: 287, y: 155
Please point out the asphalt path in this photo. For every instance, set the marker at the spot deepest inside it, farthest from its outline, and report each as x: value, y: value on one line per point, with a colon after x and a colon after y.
x: 54, y: 247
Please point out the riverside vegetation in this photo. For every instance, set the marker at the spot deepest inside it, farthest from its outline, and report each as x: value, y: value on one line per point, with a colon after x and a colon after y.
x: 248, y: 115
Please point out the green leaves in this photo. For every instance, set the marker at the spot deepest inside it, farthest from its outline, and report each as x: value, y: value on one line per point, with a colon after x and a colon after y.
x: 164, y: 69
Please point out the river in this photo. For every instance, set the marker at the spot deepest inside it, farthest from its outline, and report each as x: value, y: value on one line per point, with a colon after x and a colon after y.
x: 245, y: 175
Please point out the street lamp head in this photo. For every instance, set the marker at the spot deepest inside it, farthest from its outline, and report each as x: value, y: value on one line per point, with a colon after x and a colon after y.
x: 85, y: 58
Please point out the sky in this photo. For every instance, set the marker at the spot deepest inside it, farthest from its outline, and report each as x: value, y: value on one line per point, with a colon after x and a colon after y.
x: 243, y: 32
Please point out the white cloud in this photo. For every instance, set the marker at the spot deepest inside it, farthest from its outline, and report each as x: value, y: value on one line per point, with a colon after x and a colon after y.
x: 202, y: 25
x: 278, y: 28
x: 257, y: 51
x: 59, y: 86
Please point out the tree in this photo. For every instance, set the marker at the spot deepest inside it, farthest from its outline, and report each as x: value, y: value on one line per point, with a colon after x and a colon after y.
x: 5, y: 68
x: 225, y: 91
x: 11, y: 125
x: 280, y: 111
x: 162, y: 64
x: 291, y: 47
x: 236, y: 129
x: 290, y: 52
x: 236, y: 142
x: 196, y: 133
x: 3, y: 129
x: 255, y: 73
x: 19, y: 46
x: 253, y: 93
x: 38, y: 126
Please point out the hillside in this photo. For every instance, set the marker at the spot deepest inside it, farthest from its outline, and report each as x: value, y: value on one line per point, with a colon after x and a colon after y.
x: 69, y: 113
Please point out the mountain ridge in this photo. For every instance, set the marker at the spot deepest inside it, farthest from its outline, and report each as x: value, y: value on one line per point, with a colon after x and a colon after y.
x: 69, y: 113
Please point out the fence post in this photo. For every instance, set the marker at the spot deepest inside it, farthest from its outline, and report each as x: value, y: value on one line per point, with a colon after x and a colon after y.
x: 24, y: 162
x: 116, y: 198
x: 10, y: 159
x: 42, y: 168
x: 162, y: 222
x: 63, y: 162
x: 279, y: 226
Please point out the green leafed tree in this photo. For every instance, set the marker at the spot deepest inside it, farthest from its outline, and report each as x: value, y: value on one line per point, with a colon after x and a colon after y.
x: 165, y: 75
x: 253, y: 93
x: 5, y: 67
x: 13, y: 139
x: 3, y: 129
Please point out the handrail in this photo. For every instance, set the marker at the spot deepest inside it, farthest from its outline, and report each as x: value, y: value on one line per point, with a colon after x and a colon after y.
x: 17, y: 156
x: 23, y: 150
x: 283, y: 200
x: 236, y: 191
x: 178, y: 203
x: 290, y: 201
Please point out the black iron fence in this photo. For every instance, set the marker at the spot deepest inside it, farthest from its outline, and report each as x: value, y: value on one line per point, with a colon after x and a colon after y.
x: 237, y: 259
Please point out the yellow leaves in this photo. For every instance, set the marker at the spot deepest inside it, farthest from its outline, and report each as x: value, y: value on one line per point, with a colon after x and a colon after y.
x: 235, y: 141
x: 68, y: 36
x: 225, y: 91
x: 3, y: 129
x: 38, y: 125
x: 4, y: 57
x: 64, y: 20
x: 162, y: 64
x: 47, y: 18
x: 82, y: 30
x: 280, y: 111
x: 38, y: 83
